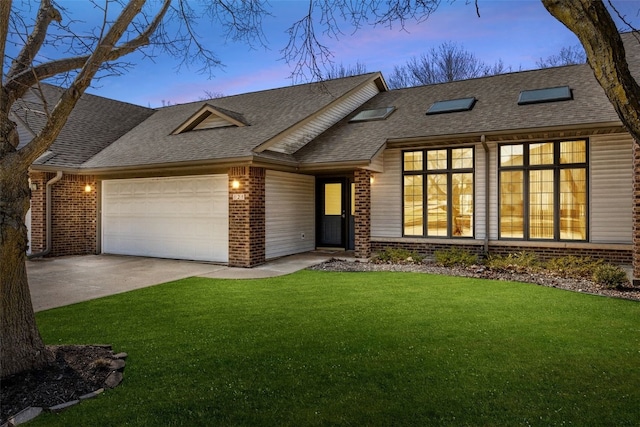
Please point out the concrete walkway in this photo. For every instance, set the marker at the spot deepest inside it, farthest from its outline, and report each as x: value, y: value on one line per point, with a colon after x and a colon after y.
x: 55, y: 282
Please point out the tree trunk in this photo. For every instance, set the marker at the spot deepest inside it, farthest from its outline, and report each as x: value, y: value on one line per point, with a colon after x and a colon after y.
x: 592, y: 24
x: 21, y: 346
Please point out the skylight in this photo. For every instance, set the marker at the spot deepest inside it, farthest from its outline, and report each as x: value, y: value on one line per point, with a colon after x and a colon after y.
x: 551, y: 94
x: 373, y: 114
x: 452, y: 105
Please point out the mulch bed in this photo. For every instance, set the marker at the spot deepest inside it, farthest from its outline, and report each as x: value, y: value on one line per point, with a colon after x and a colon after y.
x: 76, y: 371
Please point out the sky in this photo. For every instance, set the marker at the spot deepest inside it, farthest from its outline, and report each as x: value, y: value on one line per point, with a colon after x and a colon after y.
x: 517, y: 32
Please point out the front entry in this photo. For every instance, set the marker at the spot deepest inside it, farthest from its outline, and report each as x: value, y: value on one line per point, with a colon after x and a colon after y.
x: 335, y: 213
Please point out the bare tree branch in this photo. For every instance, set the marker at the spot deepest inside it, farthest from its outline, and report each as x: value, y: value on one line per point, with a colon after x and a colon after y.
x: 46, y: 14
x: 308, y: 55
x: 19, y: 83
x: 71, y: 95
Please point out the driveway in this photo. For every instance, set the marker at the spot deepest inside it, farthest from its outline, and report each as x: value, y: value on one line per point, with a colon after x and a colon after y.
x: 55, y: 282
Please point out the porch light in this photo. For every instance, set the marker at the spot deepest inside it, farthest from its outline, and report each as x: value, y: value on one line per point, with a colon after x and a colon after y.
x: 372, y: 179
x: 235, y: 184
x: 87, y: 188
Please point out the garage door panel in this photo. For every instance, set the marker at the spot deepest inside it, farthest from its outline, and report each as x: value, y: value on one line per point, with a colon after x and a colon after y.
x: 180, y: 217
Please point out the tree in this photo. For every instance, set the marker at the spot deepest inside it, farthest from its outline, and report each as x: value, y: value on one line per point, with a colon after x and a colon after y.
x: 592, y: 23
x: 567, y: 56
x: 128, y: 28
x: 339, y: 71
x: 449, y: 62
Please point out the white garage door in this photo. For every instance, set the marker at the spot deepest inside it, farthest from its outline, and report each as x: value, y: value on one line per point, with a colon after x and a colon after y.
x: 181, y: 217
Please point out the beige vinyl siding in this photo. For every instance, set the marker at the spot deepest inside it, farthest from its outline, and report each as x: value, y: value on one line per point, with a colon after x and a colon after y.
x: 611, y: 190
x: 479, y: 211
x: 323, y: 121
x: 377, y: 164
x: 212, y: 122
x: 290, y: 214
x: 386, y: 197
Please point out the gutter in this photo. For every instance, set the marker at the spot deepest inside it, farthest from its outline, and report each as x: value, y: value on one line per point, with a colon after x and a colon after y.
x: 487, y: 188
x: 48, y: 214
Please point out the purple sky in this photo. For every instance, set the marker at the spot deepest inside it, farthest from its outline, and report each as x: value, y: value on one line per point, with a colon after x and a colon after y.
x: 518, y: 32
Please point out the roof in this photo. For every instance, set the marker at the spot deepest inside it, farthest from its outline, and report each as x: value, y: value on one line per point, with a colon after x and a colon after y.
x: 268, y: 114
x: 496, y: 111
x: 104, y: 134
x: 94, y: 123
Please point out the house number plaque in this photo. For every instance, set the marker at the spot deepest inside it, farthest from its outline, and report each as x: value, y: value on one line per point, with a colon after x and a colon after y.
x: 238, y: 196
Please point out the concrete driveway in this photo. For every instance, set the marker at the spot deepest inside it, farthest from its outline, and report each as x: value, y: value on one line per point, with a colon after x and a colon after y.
x: 55, y: 282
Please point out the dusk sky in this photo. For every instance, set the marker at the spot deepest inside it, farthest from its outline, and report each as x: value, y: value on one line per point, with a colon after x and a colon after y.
x: 518, y: 32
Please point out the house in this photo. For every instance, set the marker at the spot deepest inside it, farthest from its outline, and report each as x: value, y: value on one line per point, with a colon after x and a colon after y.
x: 533, y: 160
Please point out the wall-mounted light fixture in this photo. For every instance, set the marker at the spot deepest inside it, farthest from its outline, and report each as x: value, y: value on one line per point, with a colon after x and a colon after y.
x: 372, y: 179
x: 87, y: 188
x: 235, y: 184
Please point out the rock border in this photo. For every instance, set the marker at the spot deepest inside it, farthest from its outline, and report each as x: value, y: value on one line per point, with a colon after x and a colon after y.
x: 115, y: 377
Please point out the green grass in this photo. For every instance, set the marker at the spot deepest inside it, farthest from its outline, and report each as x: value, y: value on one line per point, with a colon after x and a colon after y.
x: 357, y: 349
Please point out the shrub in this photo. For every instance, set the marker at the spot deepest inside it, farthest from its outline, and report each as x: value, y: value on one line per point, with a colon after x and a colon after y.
x: 391, y: 255
x: 610, y: 276
x: 454, y: 256
x: 518, y: 262
x: 574, y: 266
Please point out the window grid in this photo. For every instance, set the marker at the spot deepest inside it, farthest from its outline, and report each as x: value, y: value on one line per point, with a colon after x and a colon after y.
x: 544, y: 196
x: 446, y: 183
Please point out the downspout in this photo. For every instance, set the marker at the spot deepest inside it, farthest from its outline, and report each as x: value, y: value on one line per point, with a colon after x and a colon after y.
x: 48, y: 214
x: 487, y: 188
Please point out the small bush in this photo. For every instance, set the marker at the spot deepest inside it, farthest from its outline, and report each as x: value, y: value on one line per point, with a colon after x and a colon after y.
x: 574, y: 266
x: 398, y: 256
x: 610, y: 276
x: 454, y: 256
x: 519, y: 262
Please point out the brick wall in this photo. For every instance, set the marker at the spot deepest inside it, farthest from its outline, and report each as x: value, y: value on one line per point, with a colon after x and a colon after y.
x: 246, y: 216
x: 363, y: 213
x: 38, y: 208
x: 74, y: 215
x: 622, y: 256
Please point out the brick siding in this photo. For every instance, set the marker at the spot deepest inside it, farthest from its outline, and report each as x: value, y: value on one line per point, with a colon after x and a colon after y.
x: 246, y: 216
x: 73, y: 219
x: 620, y: 257
x: 362, y: 218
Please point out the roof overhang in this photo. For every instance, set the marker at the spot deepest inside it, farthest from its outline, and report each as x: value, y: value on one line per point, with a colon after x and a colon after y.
x: 569, y: 131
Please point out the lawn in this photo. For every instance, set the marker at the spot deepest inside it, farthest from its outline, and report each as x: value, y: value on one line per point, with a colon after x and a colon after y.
x: 378, y: 349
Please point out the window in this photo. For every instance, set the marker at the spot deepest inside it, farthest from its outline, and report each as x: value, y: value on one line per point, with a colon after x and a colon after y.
x: 452, y: 106
x: 438, y: 192
x: 550, y: 94
x: 543, y: 190
x: 374, y: 114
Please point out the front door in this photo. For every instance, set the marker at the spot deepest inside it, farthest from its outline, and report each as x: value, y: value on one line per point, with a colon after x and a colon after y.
x: 334, y: 213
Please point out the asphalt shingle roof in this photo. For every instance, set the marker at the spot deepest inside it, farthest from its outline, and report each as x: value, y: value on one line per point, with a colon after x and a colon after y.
x: 94, y: 124
x: 495, y: 111
x: 268, y: 114
x: 103, y: 133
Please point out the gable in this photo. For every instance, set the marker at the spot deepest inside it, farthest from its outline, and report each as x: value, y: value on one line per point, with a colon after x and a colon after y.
x: 298, y: 136
x: 210, y: 117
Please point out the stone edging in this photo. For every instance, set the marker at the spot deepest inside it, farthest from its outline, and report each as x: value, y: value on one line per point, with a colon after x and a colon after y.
x: 114, y: 379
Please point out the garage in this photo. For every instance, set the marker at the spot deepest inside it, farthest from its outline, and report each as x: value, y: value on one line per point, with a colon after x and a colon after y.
x: 176, y: 217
